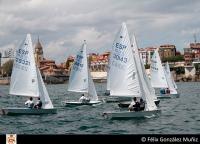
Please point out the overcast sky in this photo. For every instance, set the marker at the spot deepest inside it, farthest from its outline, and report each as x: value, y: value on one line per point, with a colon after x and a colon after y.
x: 62, y: 25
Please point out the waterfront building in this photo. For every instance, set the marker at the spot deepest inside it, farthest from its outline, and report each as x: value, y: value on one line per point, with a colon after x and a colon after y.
x: 146, y: 54
x: 167, y: 50
x: 195, y: 47
x: 98, y: 62
x: 143, y: 55
x: 188, y: 56
x: 38, y: 53
x: 49, y: 69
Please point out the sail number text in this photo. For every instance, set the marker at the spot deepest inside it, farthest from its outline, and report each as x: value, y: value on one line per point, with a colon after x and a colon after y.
x: 122, y: 59
x: 78, y: 63
x: 22, y: 52
x: 25, y: 62
x: 120, y: 46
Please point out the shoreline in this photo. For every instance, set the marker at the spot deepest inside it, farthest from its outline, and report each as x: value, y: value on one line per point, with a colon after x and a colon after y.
x: 6, y: 81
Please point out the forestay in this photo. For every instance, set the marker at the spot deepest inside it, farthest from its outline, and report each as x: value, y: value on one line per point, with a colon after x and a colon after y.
x: 122, y: 73
x: 24, y: 77
x: 158, y: 79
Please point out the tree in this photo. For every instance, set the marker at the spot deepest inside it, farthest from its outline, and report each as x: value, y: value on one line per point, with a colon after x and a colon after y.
x: 147, y: 66
x: 197, y: 66
x: 179, y: 70
x: 7, y: 68
x: 177, y: 58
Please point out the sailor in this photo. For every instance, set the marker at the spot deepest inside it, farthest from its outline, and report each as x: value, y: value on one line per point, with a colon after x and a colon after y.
x: 84, y: 99
x: 142, y: 104
x: 38, y: 104
x: 29, y: 103
x: 167, y: 91
x: 135, y: 105
x: 162, y: 91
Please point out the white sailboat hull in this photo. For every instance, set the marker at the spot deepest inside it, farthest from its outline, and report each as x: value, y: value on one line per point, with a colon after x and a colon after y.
x: 130, y: 114
x: 77, y: 103
x: 112, y: 99
x: 26, y: 111
x: 168, y: 96
x: 126, y: 104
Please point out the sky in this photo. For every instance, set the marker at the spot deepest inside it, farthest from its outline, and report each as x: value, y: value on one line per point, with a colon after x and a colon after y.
x: 63, y: 25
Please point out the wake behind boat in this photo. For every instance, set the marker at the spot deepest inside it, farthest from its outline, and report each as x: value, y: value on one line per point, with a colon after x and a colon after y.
x: 80, y: 81
x: 26, y: 80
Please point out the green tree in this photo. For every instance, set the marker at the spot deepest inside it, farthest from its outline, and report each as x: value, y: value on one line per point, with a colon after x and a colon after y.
x: 147, y: 66
x: 179, y: 70
x: 7, y: 68
x: 177, y: 58
x: 197, y: 66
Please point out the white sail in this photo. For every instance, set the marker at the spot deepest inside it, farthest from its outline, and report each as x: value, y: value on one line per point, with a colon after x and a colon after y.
x: 174, y: 84
x: 43, y: 94
x: 123, y: 74
x: 158, y: 79
x: 24, y: 77
x: 91, y: 89
x: 147, y: 92
x: 169, y: 79
x: 78, y: 80
x: 108, y: 75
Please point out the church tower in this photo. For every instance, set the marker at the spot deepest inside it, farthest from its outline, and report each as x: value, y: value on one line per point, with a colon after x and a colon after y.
x: 38, y: 53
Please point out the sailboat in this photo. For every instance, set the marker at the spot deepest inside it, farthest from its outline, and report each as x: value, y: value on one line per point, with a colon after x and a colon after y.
x: 141, y: 69
x: 128, y: 80
x: 170, y: 81
x: 123, y: 87
x: 160, y: 77
x: 26, y: 80
x: 80, y: 79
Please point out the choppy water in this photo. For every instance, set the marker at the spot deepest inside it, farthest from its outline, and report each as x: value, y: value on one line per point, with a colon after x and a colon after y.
x: 178, y: 116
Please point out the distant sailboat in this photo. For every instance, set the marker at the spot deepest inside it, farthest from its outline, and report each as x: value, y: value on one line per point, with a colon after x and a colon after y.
x: 170, y: 80
x: 128, y: 80
x: 160, y: 77
x: 80, y: 79
x: 26, y: 80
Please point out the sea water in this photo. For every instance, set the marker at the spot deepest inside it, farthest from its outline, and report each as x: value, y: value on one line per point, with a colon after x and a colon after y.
x: 178, y: 116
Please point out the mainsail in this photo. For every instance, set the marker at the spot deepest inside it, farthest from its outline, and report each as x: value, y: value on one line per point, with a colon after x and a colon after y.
x: 122, y: 73
x: 24, y: 80
x: 80, y: 78
x: 158, y: 79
